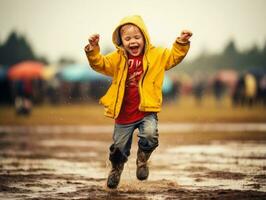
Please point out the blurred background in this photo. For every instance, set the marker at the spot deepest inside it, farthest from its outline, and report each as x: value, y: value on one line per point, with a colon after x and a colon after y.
x: 214, y: 111
x: 42, y: 61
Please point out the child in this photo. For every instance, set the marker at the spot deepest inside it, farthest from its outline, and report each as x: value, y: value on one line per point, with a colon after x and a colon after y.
x: 135, y: 95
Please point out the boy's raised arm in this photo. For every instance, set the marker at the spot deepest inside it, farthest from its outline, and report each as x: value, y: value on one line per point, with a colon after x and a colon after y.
x: 179, y: 49
x: 97, y: 61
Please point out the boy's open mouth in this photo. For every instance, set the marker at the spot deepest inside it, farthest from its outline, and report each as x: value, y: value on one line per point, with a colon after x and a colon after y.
x: 134, y: 49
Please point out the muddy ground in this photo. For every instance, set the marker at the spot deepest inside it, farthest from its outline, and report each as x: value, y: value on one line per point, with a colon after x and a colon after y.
x: 207, y: 165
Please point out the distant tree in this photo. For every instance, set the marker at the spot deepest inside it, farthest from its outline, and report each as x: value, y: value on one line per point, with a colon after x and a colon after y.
x: 24, y: 50
x: 15, y: 49
x: 230, y: 48
x: 230, y: 58
x: 253, y: 57
x: 263, y: 55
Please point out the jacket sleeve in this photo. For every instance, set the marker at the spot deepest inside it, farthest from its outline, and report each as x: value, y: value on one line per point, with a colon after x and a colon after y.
x: 100, y: 63
x: 175, y: 55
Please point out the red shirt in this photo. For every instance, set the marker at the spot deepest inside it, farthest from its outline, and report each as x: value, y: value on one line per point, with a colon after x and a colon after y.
x: 129, y: 112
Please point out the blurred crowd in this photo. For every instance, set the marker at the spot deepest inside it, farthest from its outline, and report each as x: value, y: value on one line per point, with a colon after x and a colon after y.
x: 244, y: 89
x: 24, y: 87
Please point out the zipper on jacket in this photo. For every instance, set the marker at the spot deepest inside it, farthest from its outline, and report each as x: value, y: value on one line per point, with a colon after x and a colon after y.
x: 142, y: 80
x: 118, y: 90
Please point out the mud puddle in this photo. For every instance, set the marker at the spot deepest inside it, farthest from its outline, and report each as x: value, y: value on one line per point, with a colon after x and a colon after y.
x: 38, y: 166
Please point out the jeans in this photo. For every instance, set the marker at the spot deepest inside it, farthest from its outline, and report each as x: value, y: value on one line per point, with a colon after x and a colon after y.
x: 123, y: 134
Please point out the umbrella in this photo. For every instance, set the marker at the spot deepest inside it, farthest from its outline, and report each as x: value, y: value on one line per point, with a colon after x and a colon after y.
x: 49, y: 72
x: 26, y: 70
x: 167, y: 85
x: 228, y: 77
x: 79, y: 72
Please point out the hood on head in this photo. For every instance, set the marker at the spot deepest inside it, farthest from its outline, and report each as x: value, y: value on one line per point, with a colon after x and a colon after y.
x: 136, y: 20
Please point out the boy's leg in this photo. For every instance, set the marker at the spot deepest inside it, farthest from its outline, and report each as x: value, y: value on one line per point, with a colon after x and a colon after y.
x: 148, y: 141
x: 119, y: 151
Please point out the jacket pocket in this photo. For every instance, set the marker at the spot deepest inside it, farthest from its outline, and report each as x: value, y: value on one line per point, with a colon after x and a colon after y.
x: 108, y: 99
x: 153, y: 95
x: 158, y: 93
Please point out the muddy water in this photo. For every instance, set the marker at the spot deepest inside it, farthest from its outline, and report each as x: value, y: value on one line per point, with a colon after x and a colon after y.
x: 185, y: 166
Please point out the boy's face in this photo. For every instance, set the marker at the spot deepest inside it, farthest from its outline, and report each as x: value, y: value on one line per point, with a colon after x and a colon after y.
x: 132, y: 39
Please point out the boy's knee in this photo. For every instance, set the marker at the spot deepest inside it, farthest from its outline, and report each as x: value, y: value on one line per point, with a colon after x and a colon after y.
x: 148, y: 144
x: 116, y: 155
x: 150, y: 133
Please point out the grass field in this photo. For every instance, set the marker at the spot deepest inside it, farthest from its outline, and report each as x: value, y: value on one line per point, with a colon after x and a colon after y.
x: 184, y: 110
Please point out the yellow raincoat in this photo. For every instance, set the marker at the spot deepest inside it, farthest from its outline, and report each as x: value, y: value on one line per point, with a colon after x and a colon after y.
x: 155, y: 61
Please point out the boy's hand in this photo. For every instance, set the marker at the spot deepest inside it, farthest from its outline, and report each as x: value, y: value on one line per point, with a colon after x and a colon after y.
x: 185, y: 36
x: 93, y: 42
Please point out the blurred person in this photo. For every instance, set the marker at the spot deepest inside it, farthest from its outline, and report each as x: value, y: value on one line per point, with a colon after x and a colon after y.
x: 219, y: 88
x: 198, y: 87
x: 52, y: 90
x: 250, y: 88
x: 98, y: 88
x: 28, y: 95
x: 135, y: 95
x: 75, y: 92
x: 198, y: 90
x: 175, y: 92
x: 23, y: 96
x: 18, y: 88
x: 262, y: 85
x: 238, y: 97
x: 37, y: 85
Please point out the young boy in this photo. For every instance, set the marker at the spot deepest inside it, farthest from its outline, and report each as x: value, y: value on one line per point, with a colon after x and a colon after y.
x: 135, y: 95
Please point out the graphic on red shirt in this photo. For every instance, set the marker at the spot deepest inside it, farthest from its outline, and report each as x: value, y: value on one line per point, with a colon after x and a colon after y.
x: 129, y: 112
x: 134, y: 72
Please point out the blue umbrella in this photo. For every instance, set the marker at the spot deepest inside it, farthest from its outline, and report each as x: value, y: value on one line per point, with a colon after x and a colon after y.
x: 167, y: 84
x: 83, y: 73
x: 79, y: 73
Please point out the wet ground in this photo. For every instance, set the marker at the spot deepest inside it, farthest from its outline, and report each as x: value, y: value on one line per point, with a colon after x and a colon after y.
x: 189, y: 165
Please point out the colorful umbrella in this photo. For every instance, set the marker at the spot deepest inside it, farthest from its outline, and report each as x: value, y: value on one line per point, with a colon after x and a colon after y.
x: 79, y: 73
x: 26, y: 70
x: 228, y: 77
x: 49, y: 72
x: 167, y: 84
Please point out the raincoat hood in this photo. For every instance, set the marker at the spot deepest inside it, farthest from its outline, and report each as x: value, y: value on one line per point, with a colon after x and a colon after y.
x: 137, y: 21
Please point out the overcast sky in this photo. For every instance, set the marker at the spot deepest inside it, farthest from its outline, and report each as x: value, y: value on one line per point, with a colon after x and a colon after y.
x: 58, y: 28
